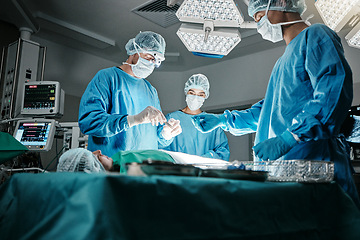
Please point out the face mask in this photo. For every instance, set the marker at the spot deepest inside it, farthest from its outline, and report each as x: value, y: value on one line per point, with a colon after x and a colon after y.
x: 269, y: 31
x: 143, y: 68
x: 194, y: 102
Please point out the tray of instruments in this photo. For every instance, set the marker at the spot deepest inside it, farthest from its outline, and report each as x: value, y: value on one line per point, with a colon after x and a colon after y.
x: 292, y: 170
x: 239, y: 174
x: 151, y: 167
x: 158, y: 167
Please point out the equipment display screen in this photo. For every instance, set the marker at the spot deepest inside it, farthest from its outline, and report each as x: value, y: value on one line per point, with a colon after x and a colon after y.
x: 39, y: 96
x: 33, y: 135
x: 354, y: 135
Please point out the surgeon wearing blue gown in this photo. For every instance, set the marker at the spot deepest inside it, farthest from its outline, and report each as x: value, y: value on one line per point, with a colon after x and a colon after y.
x: 120, y: 109
x: 213, y: 144
x: 308, y: 97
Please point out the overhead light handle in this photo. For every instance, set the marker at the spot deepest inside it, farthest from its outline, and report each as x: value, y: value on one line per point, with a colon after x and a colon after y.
x: 208, y: 28
x: 354, y: 20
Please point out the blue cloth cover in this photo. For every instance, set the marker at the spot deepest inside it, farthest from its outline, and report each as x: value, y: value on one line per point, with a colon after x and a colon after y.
x: 98, y: 206
x: 10, y: 147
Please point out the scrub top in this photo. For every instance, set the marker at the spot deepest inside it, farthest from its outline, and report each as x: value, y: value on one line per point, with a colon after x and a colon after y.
x: 109, y: 98
x: 212, y: 145
x: 309, y: 93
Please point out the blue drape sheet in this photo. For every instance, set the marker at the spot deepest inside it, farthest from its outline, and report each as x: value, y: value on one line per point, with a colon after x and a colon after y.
x: 100, y: 206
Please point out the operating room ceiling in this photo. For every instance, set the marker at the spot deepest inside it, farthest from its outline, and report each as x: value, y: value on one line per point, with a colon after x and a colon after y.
x: 102, y: 28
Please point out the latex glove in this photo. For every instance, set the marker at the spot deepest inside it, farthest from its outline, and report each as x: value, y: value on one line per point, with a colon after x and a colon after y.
x: 171, y: 129
x: 208, y: 122
x: 148, y: 115
x: 274, y: 148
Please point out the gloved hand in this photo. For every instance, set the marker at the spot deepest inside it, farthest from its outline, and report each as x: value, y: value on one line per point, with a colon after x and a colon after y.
x: 208, y: 155
x: 273, y: 148
x: 148, y: 115
x: 208, y: 122
x: 171, y: 129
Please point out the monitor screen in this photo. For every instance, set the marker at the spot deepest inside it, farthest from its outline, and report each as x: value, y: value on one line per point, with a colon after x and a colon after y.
x: 354, y: 133
x: 35, y: 134
x: 41, y: 98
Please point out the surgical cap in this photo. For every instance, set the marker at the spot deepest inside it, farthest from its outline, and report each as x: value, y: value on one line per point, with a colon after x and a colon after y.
x: 277, y: 5
x: 149, y: 42
x: 198, y: 81
x: 79, y: 160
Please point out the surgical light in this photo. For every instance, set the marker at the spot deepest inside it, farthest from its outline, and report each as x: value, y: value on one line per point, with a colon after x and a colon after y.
x: 210, y: 27
x: 353, y: 37
x: 218, y: 43
x: 336, y: 13
x: 224, y: 13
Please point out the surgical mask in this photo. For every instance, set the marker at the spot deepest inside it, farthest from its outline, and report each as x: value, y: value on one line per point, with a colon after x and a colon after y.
x: 269, y: 31
x: 143, y: 68
x: 194, y: 102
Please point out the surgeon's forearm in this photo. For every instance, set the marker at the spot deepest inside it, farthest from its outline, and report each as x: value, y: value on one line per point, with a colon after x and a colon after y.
x: 243, y: 122
x: 222, y: 153
x: 100, y: 125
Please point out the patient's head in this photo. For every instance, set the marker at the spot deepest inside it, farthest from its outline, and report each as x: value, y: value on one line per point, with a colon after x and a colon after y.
x: 106, y: 161
x: 81, y: 160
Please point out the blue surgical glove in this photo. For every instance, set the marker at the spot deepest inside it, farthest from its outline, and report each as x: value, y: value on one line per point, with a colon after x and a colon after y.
x: 273, y: 148
x: 208, y: 122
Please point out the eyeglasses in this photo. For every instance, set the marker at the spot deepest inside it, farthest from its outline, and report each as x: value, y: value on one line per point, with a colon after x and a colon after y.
x: 151, y: 58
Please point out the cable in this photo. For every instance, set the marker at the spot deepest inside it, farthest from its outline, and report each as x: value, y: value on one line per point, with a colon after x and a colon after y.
x: 11, y: 119
x: 56, y: 150
x: 54, y: 159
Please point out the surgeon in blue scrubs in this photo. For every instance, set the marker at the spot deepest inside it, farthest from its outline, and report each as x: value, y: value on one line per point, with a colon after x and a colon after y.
x: 308, y: 97
x: 120, y: 109
x: 213, y: 144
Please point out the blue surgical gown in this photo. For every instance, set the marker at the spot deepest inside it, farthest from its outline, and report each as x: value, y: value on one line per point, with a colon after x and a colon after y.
x: 212, y: 145
x: 110, y: 96
x: 309, y: 93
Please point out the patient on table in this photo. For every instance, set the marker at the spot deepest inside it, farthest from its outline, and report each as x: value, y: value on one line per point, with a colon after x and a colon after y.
x: 83, y: 160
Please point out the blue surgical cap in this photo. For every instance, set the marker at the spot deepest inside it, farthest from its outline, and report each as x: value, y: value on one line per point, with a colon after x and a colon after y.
x: 79, y: 160
x: 149, y: 42
x: 198, y: 81
x: 277, y: 5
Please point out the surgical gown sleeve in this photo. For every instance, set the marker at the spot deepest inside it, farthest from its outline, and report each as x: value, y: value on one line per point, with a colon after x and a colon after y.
x: 330, y: 83
x: 243, y: 122
x: 94, y: 118
x: 221, y: 149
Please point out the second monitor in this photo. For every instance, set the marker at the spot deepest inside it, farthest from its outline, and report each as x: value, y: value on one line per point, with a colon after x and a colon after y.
x: 35, y: 134
x: 43, y: 98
